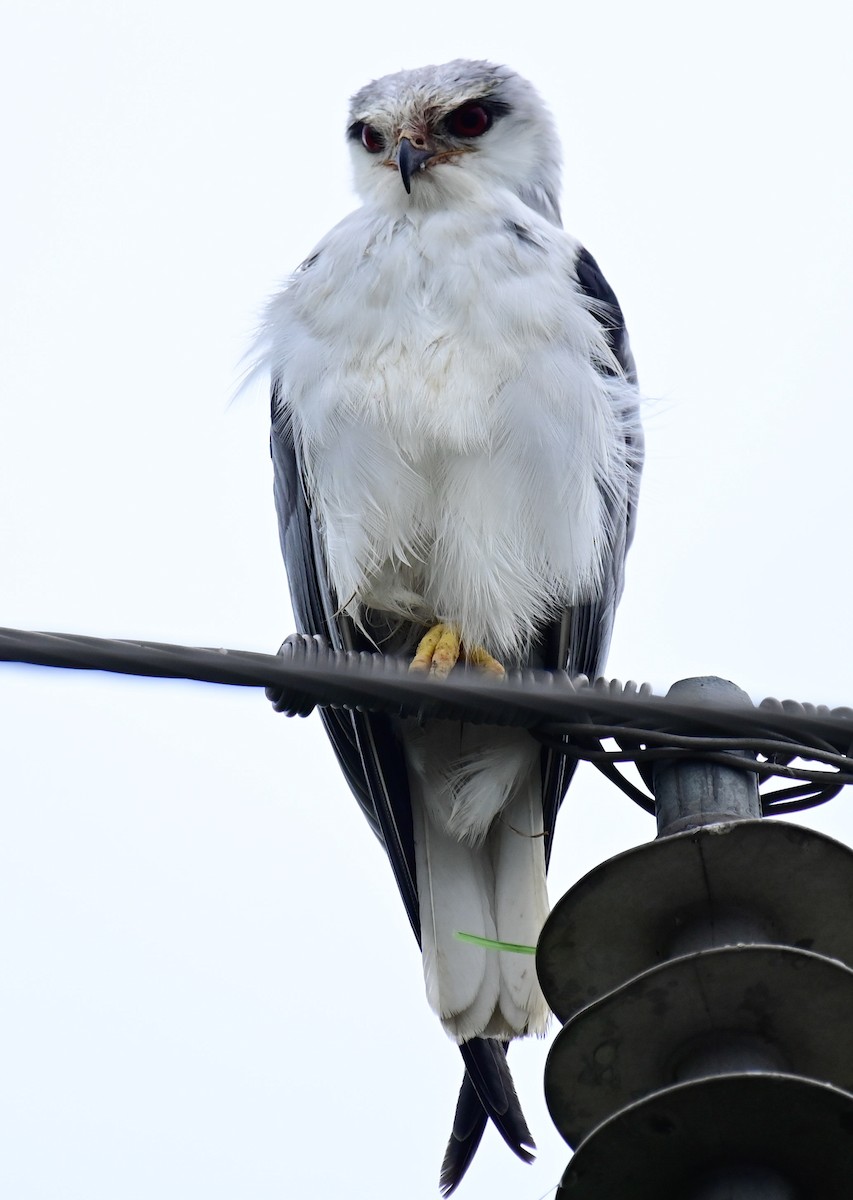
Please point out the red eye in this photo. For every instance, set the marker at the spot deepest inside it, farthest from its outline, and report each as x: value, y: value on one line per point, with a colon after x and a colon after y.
x: 372, y: 139
x: 469, y: 121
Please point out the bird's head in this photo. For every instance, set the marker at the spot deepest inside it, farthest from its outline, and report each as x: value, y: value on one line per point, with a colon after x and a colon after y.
x: 437, y: 136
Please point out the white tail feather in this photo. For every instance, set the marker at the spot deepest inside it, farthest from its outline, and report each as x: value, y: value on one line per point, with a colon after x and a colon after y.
x: 486, y: 878
x: 521, y: 905
x: 454, y: 883
x: 485, y: 780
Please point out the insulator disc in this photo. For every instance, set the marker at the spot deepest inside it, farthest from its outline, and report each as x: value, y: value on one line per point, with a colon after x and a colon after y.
x: 794, y: 885
x: 663, y: 1147
x: 704, y: 1014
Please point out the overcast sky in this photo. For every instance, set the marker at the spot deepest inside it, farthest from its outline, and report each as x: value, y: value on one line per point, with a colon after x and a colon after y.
x: 208, y: 986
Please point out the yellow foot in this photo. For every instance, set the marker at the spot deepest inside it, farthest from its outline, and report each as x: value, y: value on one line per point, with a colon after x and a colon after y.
x: 440, y: 649
x: 478, y: 657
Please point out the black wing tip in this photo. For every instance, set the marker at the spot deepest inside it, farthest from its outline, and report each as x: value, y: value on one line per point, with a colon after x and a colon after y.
x: 525, y: 1150
x: 487, y: 1093
x: 460, y: 1154
x: 457, y: 1160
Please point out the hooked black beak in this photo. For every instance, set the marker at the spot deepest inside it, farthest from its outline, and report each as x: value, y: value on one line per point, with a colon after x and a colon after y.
x: 410, y: 159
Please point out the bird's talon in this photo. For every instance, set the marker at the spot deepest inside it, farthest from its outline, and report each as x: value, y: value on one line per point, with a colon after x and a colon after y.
x: 480, y: 658
x: 440, y: 649
x: 438, y: 652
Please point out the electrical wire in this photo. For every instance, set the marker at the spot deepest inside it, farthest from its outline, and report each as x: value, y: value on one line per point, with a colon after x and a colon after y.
x: 574, y: 717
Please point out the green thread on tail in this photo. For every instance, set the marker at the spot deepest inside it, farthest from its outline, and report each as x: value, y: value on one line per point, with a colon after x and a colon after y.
x: 491, y: 944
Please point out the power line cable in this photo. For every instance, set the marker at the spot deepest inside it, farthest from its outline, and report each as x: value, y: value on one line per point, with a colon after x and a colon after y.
x: 576, y: 717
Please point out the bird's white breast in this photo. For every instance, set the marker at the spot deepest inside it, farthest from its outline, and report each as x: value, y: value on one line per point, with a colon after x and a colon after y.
x: 455, y: 434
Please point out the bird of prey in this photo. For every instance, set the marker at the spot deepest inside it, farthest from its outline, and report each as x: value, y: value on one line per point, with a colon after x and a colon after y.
x: 456, y: 452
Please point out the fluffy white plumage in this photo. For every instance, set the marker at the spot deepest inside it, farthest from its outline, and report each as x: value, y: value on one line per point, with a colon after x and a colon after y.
x: 459, y: 420
x: 452, y: 425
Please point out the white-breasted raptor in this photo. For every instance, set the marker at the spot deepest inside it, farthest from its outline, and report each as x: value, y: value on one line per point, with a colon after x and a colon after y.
x: 457, y: 452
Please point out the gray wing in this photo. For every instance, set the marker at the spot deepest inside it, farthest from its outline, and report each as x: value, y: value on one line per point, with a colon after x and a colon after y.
x: 369, y: 753
x: 580, y: 642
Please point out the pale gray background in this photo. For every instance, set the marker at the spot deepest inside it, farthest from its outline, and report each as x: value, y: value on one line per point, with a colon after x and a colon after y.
x: 208, y: 987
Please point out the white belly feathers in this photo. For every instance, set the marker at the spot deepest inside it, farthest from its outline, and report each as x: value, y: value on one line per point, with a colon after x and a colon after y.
x: 454, y: 453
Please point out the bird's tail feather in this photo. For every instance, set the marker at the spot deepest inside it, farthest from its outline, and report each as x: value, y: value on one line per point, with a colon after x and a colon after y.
x: 521, y: 905
x: 454, y: 885
x: 492, y: 888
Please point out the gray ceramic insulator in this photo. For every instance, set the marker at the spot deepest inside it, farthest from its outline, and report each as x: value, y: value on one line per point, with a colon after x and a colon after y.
x: 691, y: 794
x: 745, y: 1183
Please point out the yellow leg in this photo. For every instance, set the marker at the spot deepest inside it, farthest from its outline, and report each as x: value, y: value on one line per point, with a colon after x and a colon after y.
x: 440, y: 649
